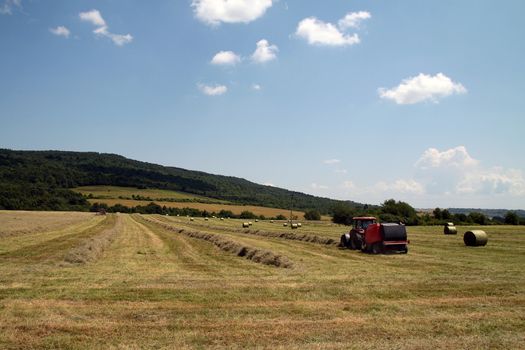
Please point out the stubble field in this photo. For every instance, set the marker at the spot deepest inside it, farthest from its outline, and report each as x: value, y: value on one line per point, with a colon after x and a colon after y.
x: 77, y: 280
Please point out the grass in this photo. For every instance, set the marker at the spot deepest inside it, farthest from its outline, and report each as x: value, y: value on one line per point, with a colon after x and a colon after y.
x: 116, y: 192
x: 155, y: 288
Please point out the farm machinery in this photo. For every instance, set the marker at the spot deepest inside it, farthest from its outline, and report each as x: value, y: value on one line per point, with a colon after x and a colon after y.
x: 372, y: 237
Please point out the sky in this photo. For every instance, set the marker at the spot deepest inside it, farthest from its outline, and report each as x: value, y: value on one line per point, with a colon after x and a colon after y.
x: 420, y: 101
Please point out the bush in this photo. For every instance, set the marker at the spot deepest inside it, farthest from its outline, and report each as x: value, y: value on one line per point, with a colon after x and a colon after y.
x: 312, y: 215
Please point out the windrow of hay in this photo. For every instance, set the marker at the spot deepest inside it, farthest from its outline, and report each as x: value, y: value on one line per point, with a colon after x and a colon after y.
x: 285, y: 235
x: 92, y: 248
x: 257, y: 255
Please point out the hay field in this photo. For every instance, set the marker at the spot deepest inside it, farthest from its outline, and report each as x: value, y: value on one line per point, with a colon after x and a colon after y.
x: 160, y: 283
x: 114, y: 192
x: 236, y: 209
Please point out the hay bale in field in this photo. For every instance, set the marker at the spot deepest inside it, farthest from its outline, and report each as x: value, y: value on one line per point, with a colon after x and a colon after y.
x: 222, y: 219
x: 271, y: 221
x: 475, y: 238
x: 285, y: 224
x: 299, y: 224
x: 256, y: 220
x: 205, y: 219
x: 450, y: 229
x: 191, y: 219
x: 245, y: 224
x: 294, y: 226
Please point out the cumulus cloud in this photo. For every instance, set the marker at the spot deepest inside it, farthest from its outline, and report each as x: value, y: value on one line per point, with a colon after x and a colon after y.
x: 95, y: 18
x: 422, y: 88
x: 226, y: 58
x: 256, y: 87
x: 331, y: 161
x: 60, y: 31
x: 317, y: 32
x: 8, y: 5
x: 316, y: 186
x: 264, y: 52
x: 400, y: 186
x: 353, y: 19
x: 213, y: 12
x: 455, y: 172
x: 212, y: 90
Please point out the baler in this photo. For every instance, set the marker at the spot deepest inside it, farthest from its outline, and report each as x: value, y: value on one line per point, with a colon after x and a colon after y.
x: 369, y: 236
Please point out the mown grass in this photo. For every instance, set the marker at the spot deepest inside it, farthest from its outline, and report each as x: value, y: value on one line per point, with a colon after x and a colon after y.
x: 116, y: 192
x: 154, y: 288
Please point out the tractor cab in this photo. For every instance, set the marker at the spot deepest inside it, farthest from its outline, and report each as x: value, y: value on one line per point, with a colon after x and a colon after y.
x: 360, y: 223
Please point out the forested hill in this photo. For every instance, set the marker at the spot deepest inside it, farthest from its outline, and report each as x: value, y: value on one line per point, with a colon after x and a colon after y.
x: 42, y: 179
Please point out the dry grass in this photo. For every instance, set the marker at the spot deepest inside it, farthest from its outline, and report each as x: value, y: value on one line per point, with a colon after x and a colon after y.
x: 236, y: 209
x: 155, y: 288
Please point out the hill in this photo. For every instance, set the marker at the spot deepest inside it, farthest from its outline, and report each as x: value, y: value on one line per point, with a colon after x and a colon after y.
x: 43, y: 180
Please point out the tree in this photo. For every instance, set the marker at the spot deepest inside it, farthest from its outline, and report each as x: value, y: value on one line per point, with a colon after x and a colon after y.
x: 478, y: 218
x: 437, y: 213
x: 511, y: 218
x: 247, y: 215
x: 342, y: 214
x: 312, y: 215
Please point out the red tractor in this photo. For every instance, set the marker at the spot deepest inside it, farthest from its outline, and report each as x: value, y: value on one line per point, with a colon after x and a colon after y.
x: 369, y: 236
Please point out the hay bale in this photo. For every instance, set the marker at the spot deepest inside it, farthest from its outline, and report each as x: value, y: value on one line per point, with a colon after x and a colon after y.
x: 450, y: 229
x: 285, y: 224
x: 271, y: 221
x: 256, y: 220
x: 222, y: 219
x: 250, y: 223
x: 205, y: 219
x: 475, y: 238
x: 191, y: 219
x: 299, y: 224
x: 294, y: 226
x: 245, y: 224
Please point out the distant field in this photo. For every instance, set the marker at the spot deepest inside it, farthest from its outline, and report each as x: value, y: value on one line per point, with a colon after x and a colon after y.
x: 161, y: 282
x: 236, y: 209
x: 114, y: 192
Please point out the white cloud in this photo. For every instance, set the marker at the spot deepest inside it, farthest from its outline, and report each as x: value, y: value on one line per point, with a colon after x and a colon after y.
x: 457, y: 157
x: 213, y: 12
x: 95, y: 18
x: 7, y: 7
x: 316, y: 186
x: 353, y: 19
x: 256, y: 87
x: 60, y: 31
x: 331, y: 161
x: 399, y: 187
x: 212, y: 90
x: 422, y: 88
x: 264, y: 52
x: 455, y: 172
x: 317, y: 32
x: 227, y: 58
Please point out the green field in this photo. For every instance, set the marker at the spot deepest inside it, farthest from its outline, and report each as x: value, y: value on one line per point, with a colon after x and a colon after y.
x: 115, y: 192
x: 151, y: 282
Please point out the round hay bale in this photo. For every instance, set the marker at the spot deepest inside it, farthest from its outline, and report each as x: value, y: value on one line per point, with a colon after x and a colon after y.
x: 222, y: 219
x: 299, y: 224
x: 450, y: 229
x: 285, y: 224
x: 294, y: 226
x: 250, y: 223
x: 191, y: 219
x: 271, y: 221
x: 205, y: 219
x: 475, y: 238
x: 256, y: 220
x: 245, y: 224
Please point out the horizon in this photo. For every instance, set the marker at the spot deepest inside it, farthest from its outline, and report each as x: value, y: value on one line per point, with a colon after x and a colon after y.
x: 350, y: 101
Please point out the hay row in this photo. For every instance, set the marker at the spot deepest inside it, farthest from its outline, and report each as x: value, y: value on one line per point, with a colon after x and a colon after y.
x: 304, y: 237
x: 257, y: 255
x: 92, y: 248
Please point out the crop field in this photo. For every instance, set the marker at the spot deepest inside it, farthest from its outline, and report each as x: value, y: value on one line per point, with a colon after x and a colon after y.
x: 85, y: 281
x: 116, y: 192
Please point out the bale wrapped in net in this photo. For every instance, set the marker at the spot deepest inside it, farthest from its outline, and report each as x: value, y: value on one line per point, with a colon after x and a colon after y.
x: 475, y: 238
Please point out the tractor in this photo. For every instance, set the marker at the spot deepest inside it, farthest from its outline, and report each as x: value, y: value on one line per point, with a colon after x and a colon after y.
x: 369, y: 236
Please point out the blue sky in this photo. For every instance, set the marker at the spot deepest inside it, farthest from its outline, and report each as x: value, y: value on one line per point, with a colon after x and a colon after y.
x: 361, y: 100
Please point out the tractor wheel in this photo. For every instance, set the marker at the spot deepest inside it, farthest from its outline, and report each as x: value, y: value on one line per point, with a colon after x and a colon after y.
x: 364, y: 247
x: 344, y: 241
x: 405, y: 251
x: 354, y: 243
x: 377, y: 248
